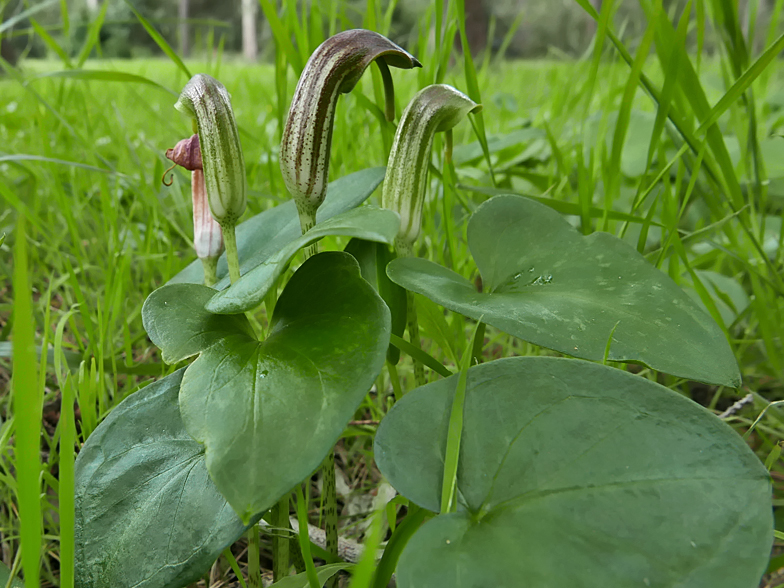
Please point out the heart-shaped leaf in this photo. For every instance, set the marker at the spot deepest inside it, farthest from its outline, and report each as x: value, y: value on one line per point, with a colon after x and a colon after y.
x: 576, y: 474
x: 266, y: 233
x: 268, y: 412
x: 547, y: 284
x: 372, y: 224
x: 176, y: 321
x: 147, y: 513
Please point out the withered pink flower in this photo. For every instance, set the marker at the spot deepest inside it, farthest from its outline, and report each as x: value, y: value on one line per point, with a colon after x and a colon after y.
x: 207, y: 233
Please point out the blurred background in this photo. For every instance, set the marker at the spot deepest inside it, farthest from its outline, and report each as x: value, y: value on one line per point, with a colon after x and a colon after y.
x: 554, y: 28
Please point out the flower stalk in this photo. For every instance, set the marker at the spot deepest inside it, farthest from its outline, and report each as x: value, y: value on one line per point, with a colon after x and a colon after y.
x: 280, y: 543
x: 254, y: 568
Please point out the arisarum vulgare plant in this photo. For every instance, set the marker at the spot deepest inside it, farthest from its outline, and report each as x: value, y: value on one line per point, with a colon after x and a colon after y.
x: 334, y: 68
x: 515, y: 466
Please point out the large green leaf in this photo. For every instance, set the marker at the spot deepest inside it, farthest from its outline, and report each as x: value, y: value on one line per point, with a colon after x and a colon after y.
x: 147, y: 513
x: 263, y: 235
x: 372, y: 224
x: 576, y: 474
x: 268, y: 412
x: 547, y: 284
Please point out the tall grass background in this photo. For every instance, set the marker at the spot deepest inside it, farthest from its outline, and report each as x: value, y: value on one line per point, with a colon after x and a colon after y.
x: 651, y: 138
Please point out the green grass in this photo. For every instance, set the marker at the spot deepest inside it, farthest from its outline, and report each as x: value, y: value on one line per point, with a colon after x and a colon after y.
x: 620, y: 146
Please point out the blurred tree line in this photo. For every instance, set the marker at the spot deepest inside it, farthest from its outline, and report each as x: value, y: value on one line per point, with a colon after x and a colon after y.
x: 546, y: 27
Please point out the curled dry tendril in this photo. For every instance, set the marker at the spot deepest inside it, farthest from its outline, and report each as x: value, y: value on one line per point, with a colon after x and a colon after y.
x: 171, y: 178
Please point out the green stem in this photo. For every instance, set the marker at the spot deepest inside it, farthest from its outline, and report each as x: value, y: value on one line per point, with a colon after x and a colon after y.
x: 307, y: 220
x: 404, y: 531
x: 270, y: 300
x: 210, y: 265
x: 66, y: 493
x: 413, y: 337
x: 304, y: 539
x: 280, y: 540
x: 479, y: 342
x: 389, y: 90
x: 295, y: 553
x: 254, y: 568
x: 232, y: 256
x: 394, y: 380
x: 280, y: 544
x: 406, y: 249
x: 448, y: 185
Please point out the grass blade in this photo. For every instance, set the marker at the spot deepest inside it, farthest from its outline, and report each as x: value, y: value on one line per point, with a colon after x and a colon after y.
x: 16, y: 75
x: 569, y: 208
x: 419, y: 355
x: 66, y: 495
x: 472, y: 88
x: 235, y: 567
x: 92, y: 36
x: 362, y: 574
x: 396, y: 543
x: 455, y: 431
x: 298, y: 26
x: 104, y: 76
x: 25, y: 157
x: 159, y: 40
x: 282, y: 39
x: 66, y: 19
x: 51, y: 43
x: 4, y: 26
x: 743, y: 82
x: 27, y: 408
x: 621, y: 126
x: 665, y: 99
x: 304, y: 539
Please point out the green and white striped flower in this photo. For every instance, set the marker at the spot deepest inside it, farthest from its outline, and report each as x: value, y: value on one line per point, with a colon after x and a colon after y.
x: 436, y: 108
x: 206, y: 100
x: 333, y: 69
